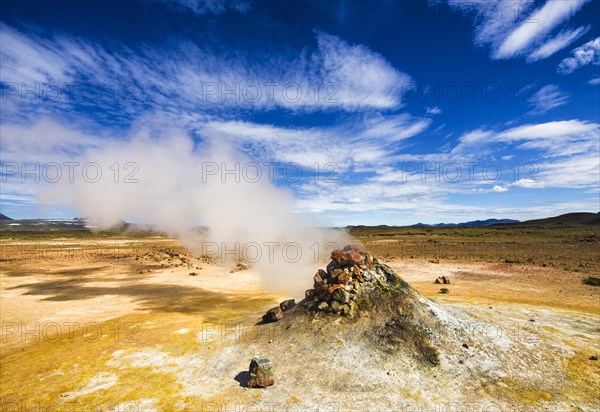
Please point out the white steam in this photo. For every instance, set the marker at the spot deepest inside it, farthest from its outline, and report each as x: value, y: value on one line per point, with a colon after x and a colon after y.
x: 172, y: 184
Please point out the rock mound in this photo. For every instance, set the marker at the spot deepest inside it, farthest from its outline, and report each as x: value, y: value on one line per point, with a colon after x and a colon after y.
x: 358, y: 297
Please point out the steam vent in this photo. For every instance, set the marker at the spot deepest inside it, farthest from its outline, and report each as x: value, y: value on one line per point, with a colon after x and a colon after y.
x: 366, y: 300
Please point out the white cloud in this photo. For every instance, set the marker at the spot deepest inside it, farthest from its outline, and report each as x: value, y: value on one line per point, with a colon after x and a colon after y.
x: 589, y: 53
x: 434, y: 110
x: 360, y: 76
x: 376, y: 136
x: 595, y: 81
x: 547, y: 98
x: 499, y: 189
x: 540, y: 23
x: 557, y: 43
x: 180, y: 77
x: 515, y: 29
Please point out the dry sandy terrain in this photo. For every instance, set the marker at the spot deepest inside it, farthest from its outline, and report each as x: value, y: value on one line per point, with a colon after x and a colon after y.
x: 124, y: 326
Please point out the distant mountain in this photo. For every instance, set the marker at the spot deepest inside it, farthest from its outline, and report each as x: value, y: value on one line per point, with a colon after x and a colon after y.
x: 4, y: 217
x: 568, y: 219
x: 473, y: 223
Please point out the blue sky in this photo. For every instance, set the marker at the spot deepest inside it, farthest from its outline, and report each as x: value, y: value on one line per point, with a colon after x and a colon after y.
x: 426, y: 111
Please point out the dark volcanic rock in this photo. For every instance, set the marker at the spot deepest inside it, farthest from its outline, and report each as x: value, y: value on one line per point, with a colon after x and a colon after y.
x: 273, y: 315
x: 287, y: 304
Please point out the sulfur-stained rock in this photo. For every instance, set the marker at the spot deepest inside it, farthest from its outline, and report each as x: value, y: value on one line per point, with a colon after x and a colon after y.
x: 261, y: 373
x: 335, y: 306
x: 341, y: 295
x: 323, y: 306
x: 345, y: 310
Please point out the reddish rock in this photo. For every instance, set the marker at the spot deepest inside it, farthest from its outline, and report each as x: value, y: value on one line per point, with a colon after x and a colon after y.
x: 337, y: 255
x: 353, y: 257
x: 356, y: 270
x: 287, y: 304
x: 273, y: 315
x: 336, y: 273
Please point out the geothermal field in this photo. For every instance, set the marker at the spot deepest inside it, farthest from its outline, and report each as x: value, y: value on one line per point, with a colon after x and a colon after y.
x: 299, y: 205
x: 135, y: 321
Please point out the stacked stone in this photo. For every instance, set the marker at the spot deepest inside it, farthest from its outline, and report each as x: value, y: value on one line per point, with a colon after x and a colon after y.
x: 335, y: 289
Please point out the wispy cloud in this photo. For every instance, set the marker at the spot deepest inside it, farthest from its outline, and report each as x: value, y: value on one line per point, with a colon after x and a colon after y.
x: 589, y: 53
x: 517, y: 29
x: 202, y: 7
x: 557, y: 43
x: 595, y: 81
x: 434, y: 110
x: 547, y: 98
x: 377, y: 136
x: 181, y: 77
x: 536, y: 26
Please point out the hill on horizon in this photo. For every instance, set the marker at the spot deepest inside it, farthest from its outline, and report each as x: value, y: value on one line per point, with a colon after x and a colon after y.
x: 568, y: 219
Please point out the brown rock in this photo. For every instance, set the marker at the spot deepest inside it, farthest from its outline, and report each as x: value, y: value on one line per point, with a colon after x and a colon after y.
x: 317, y: 280
x: 321, y: 293
x: 337, y: 255
x: 343, y: 279
x: 287, y: 304
x: 445, y: 280
x: 444, y: 290
x: 273, y: 315
x: 438, y: 280
x: 261, y: 373
x: 333, y: 288
x: 356, y: 270
x: 333, y: 265
x: 309, y: 294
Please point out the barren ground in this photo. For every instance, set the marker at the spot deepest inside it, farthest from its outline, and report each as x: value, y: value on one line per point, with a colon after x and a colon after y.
x: 120, y: 324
